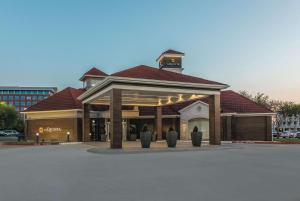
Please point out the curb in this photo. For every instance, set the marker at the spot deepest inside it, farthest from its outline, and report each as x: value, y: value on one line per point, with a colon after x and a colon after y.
x: 263, y: 142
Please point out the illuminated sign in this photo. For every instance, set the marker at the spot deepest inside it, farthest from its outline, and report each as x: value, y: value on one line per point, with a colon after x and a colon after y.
x: 49, y: 130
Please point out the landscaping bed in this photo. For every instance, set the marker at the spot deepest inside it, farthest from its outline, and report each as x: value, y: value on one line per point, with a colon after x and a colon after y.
x: 275, y: 141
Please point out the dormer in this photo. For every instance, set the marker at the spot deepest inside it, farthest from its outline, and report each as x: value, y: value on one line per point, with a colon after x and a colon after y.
x: 91, y: 77
x: 171, y: 60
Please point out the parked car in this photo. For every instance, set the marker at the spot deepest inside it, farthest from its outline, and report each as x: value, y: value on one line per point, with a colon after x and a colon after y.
x: 293, y: 134
x: 298, y: 135
x: 274, y: 133
x: 2, y: 133
x: 285, y: 134
x: 11, y: 133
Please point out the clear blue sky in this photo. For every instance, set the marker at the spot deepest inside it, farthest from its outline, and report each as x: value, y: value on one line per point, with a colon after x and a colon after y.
x: 250, y: 45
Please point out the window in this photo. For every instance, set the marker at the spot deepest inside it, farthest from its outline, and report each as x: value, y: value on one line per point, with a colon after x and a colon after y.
x: 17, y: 97
x: 28, y: 103
x: 40, y: 98
x: 10, y: 98
x: 17, y: 103
x: 34, y: 98
x: 28, y: 97
x: 23, y: 103
x: 22, y: 97
x: 10, y: 103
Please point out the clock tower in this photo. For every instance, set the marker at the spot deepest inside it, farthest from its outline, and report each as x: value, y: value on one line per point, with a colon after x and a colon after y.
x: 171, y: 60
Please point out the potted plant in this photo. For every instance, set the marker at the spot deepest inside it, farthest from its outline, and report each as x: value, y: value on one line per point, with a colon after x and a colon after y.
x: 196, y: 137
x: 171, y: 137
x: 145, y: 136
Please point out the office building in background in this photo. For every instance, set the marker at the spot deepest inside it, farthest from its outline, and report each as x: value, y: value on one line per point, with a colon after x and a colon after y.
x: 23, y: 97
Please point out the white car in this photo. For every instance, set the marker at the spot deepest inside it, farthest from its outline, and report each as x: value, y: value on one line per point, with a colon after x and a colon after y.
x: 2, y: 133
x: 293, y: 134
x: 10, y: 133
x: 285, y: 134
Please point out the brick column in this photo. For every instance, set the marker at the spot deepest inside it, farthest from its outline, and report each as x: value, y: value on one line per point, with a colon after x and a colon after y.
x: 228, y: 128
x: 86, y: 123
x: 214, y: 120
x: 234, y: 135
x: 268, y: 129
x: 115, y: 109
x: 159, y: 122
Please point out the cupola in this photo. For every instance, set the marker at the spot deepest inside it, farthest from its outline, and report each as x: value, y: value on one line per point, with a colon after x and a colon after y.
x: 171, y: 60
x: 91, y: 77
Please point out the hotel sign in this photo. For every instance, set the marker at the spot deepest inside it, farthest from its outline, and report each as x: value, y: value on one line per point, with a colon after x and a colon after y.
x: 49, y: 130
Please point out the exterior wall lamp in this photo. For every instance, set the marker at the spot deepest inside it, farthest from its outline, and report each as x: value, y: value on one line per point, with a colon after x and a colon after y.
x: 68, y: 136
x: 37, y: 138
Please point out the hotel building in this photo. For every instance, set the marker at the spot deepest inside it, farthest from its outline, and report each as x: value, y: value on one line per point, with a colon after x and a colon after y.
x: 115, y: 107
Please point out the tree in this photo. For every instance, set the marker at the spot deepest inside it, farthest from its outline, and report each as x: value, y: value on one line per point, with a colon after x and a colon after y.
x: 262, y: 99
x: 246, y: 94
x: 10, y: 118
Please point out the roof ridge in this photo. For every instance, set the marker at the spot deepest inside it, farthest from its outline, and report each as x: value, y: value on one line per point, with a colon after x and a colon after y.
x: 161, y: 75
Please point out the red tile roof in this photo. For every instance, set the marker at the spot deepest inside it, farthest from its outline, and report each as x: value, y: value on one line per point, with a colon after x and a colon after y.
x: 233, y: 102
x: 63, y: 100
x: 93, y: 72
x: 147, y: 72
x: 170, y: 51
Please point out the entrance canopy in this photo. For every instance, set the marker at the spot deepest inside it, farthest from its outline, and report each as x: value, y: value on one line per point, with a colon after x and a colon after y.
x: 145, y: 92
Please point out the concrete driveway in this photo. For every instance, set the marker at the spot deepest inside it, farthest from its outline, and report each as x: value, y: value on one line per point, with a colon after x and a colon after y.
x: 57, y: 173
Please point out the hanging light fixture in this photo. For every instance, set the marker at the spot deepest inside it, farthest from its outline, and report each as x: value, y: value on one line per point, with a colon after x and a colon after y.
x: 180, y: 98
x: 169, y: 100
x: 159, y: 101
x: 193, y: 96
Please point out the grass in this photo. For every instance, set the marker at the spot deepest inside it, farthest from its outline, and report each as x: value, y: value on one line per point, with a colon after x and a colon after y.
x: 286, y: 139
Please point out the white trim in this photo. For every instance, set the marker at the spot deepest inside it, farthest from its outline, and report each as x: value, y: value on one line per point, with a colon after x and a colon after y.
x: 146, y: 88
x: 191, y: 105
x: 253, y: 114
x: 92, y: 76
x: 46, y: 111
x: 247, y: 114
x: 177, y: 55
x: 227, y: 114
x: 45, y: 118
x: 110, y: 79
